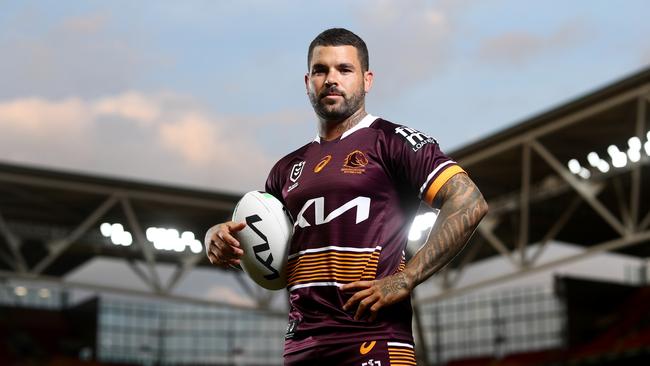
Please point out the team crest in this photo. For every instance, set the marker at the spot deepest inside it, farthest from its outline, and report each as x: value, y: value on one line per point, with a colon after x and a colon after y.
x: 355, y: 163
x: 296, y: 171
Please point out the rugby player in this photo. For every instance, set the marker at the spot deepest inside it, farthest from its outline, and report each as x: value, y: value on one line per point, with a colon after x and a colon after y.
x: 353, y: 192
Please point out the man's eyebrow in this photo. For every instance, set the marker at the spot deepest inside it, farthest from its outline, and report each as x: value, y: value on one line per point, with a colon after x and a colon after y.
x: 346, y: 65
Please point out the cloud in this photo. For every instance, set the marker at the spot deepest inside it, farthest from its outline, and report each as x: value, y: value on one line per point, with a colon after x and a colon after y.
x: 516, y: 48
x: 408, y: 44
x: 78, y: 55
x: 151, y: 136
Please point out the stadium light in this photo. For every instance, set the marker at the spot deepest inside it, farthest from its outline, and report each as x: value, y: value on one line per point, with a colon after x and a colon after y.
x: 594, y: 159
x: 574, y: 166
x: 20, y: 291
x: 584, y: 173
x: 634, y: 151
x: 619, y: 159
x: 164, y: 239
x: 603, y: 166
x: 44, y: 293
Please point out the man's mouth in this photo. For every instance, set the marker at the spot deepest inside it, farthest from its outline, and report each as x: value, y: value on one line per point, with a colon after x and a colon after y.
x: 332, y: 93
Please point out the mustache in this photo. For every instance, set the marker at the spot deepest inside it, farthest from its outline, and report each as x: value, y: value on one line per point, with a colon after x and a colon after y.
x: 331, y: 90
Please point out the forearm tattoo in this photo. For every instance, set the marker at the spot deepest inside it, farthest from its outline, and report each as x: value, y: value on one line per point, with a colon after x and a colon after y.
x: 462, y: 209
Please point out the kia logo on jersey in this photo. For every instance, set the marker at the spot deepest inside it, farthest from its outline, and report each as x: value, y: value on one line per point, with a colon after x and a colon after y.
x: 362, y: 204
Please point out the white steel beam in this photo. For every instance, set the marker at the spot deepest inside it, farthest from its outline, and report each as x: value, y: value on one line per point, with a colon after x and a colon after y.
x: 635, y: 191
x: 140, y: 273
x: 524, y: 204
x: 497, y: 244
x: 555, y: 229
x: 57, y: 247
x: 185, y: 266
x: 553, y: 126
x: 72, y: 285
x: 14, y: 246
x: 108, y: 190
x: 579, y: 187
x: 622, y: 198
x: 645, y: 222
x: 469, y: 255
x: 620, y: 243
x: 141, y: 240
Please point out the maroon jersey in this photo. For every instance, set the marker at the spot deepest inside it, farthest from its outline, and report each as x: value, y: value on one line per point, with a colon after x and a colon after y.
x: 353, y: 200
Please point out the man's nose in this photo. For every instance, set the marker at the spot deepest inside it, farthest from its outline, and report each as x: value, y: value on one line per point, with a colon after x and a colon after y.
x: 332, y: 79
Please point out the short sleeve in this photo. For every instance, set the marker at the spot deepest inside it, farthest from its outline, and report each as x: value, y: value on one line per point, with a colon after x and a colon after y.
x: 274, y: 184
x: 418, y: 162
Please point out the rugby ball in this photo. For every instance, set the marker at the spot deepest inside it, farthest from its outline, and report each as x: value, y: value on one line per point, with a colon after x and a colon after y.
x: 265, y: 239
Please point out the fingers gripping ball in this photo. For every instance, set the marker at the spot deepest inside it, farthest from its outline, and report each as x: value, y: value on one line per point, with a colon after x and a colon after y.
x: 265, y: 239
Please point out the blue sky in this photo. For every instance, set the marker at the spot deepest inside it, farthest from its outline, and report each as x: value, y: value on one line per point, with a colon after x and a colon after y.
x: 210, y: 93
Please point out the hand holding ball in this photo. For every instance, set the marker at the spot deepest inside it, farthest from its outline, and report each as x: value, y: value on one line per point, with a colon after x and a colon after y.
x: 265, y: 239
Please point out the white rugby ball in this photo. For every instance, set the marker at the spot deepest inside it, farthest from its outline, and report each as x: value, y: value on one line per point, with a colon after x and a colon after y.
x: 265, y: 239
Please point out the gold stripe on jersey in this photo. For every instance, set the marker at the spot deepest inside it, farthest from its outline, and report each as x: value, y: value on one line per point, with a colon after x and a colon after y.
x: 440, y: 181
x: 333, y: 265
x: 401, y: 356
x: 402, y: 263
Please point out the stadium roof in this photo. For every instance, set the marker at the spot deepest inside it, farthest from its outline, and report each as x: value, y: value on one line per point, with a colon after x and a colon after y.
x: 525, y: 173
x: 49, y: 220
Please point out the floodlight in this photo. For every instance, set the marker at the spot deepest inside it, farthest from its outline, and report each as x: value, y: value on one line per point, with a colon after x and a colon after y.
x: 117, y: 228
x: 196, y: 247
x: 20, y: 291
x: 44, y: 293
x: 105, y: 229
x: 634, y: 143
x: 574, y: 166
x: 634, y: 155
x: 603, y: 166
x: 594, y: 159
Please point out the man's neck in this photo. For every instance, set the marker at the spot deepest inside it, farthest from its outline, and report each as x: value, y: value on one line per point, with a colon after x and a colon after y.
x: 331, y: 130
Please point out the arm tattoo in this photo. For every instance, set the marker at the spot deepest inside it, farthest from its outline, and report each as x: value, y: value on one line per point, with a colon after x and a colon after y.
x: 462, y: 209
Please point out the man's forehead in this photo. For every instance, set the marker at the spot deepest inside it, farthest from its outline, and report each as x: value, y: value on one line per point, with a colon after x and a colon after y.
x: 335, y: 54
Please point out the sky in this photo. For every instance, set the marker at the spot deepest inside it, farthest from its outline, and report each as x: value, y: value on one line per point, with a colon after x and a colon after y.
x: 209, y: 94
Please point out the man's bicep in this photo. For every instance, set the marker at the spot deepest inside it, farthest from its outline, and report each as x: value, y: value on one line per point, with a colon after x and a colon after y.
x: 458, y: 187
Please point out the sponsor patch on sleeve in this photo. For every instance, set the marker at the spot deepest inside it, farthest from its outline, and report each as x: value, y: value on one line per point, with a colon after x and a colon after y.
x: 414, y: 138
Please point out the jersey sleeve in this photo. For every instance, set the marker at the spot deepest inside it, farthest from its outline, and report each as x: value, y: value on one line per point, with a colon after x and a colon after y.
x: 274, y: 183
x: 419, y: 163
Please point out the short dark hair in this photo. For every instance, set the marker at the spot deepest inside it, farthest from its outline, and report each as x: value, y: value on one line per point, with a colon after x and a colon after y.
x: 341, y: 37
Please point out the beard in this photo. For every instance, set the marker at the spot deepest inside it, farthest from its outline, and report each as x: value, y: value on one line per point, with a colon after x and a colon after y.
x: 337, y: 112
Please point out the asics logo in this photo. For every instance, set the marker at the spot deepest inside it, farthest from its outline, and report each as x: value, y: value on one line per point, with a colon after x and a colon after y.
x: 362, y: 204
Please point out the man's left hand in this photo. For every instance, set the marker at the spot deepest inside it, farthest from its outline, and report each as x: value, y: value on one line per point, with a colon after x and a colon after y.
x: 377, y: 294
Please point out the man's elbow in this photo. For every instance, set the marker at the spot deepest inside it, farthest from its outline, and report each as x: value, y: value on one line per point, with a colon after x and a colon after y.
x: 481, y: 207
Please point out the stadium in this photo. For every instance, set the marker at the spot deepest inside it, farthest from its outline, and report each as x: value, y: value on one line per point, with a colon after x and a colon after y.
x: 566, y: 187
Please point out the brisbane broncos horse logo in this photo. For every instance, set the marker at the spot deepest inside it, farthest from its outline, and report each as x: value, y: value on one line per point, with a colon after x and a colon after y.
x: 355, y: 163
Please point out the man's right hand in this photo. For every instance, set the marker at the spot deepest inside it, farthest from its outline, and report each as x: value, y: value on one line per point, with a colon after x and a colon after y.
x: 221, y: 246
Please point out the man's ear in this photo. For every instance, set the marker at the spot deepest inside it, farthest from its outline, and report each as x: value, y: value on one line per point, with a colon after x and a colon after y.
x: 368, y: 78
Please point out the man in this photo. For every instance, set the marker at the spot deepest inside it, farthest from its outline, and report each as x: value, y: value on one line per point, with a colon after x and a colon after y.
x: 353, y: 193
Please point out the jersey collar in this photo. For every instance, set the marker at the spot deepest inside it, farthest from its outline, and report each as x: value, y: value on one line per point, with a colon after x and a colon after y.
x: 365, y: 122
